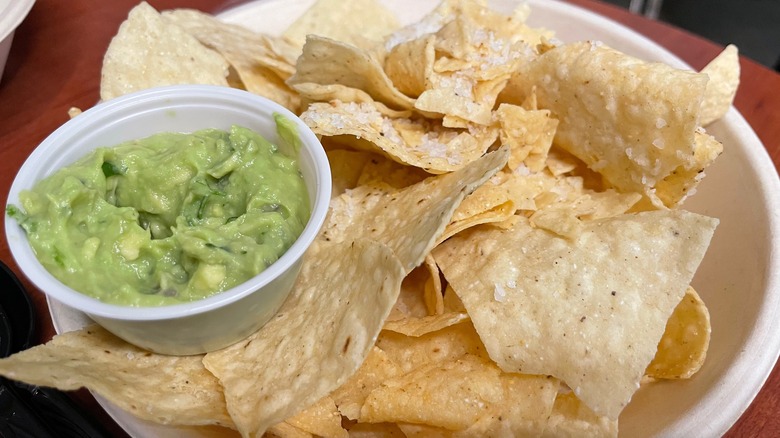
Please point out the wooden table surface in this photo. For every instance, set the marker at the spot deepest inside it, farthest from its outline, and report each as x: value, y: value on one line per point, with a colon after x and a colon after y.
x: 55, y: 64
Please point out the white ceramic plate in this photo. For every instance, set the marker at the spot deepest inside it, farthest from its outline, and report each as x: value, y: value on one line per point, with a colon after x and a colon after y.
x: 739, y: 278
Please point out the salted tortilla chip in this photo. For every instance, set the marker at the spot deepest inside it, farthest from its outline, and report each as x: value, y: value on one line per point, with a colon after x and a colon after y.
x: 570, y: 417
x: 684, y: 345
x: 331, y: 319
x: 150, y: 51
x: 629, y: 120
x: 172, y: 390
x: 326, y: 61
x: 447, y: 100
x: 412, y: 219
x: 409, y: 65
x: 415, y: 142
x: 589, y: 311
x: 357, y: 23
x: 723, y: 72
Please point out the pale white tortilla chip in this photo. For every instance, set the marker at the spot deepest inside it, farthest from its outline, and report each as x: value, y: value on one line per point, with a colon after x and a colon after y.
x: 172, y: 390
x: 590, y: 311
x: 356, y: 22
x: 409, y: 220
x: 629, y: 120
x: 723, y: 72
x: 150, y: 51
x: 316, y: 341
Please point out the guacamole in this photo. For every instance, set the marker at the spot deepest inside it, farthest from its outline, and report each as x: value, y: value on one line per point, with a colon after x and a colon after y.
x: 170, y: 218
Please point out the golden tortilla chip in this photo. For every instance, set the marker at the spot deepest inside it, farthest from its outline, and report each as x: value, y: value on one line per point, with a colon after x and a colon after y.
x: 456, y: 394
x: 439, y: 346
x: 172, y: 390
x: 683, y: 347
x: 322, y: 419
x: 350, y: 396
x: 376, y: 430
x: 382, y: 170
x: 150, y: 51
x: 285, y: 430
x: 346, y: 166
x: 589, y: 311
x: 331, y: 319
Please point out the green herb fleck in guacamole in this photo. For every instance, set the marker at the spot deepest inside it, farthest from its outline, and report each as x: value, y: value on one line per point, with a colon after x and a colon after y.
x: 170, y: 218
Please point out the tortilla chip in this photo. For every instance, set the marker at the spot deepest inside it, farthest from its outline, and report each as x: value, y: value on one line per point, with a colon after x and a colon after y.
x: 350, y: 396
x: 629, y: 120
x: 172, y: 390
x: 683, y: 347
x: 570, y: 417
x: 150, y: 51
x: 411, y: 301
x: 674, y: 189
x: 416, y: 142
x: 447, y: 344
x: 575, y: 309
x: 409, y: 65
x: 358, y: 23
x: 456, y: 394
x: 382, y: 170
x: 389, y: 215
x: 286, y: 430
x: 529, y: 133
x: 346, y: 166
x: 326, y: 61
x: 376, y: 430
x: 723, y: 72
x: 331, y: 318
x: 262, y: 62
x: 239, y: 45
x: 416, y: 327
x: 321, y: 419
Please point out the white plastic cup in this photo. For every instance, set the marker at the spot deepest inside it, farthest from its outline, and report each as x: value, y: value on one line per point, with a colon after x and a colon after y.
x: 198, y: 326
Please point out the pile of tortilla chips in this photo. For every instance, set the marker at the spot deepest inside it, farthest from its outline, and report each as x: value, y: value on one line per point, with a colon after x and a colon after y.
x: 505, y: 253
